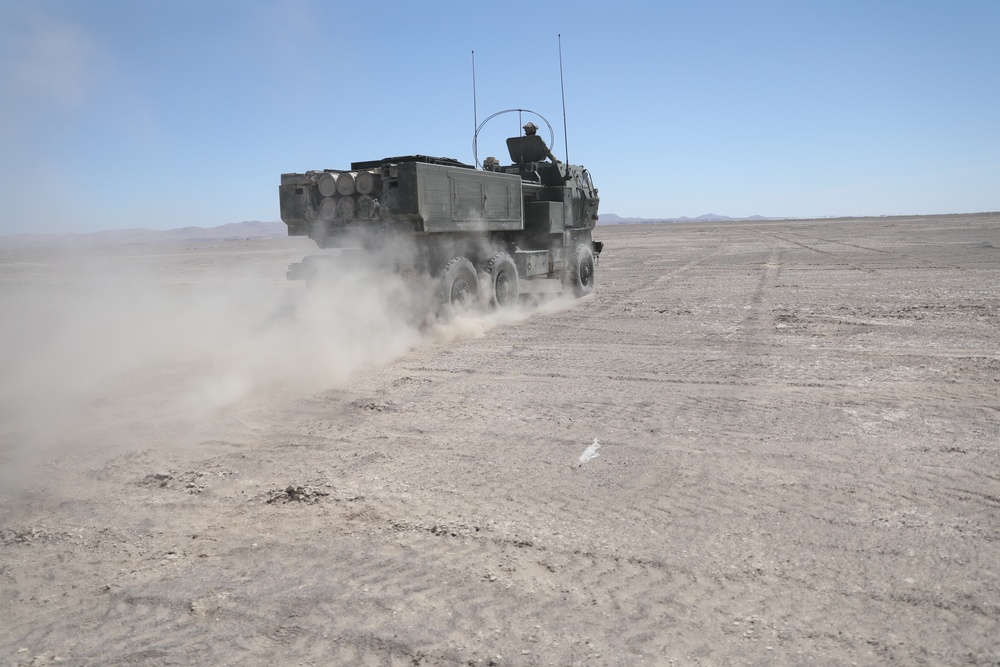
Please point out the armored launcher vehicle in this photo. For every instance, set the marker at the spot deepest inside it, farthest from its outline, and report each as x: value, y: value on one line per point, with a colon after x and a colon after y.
x: 479, y: 233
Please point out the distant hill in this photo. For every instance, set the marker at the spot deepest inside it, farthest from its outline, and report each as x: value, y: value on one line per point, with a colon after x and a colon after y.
x: 612, y: 219
x: 253, y: 229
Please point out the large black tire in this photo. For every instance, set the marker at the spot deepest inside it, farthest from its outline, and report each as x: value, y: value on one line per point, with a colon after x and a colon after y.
x: 579, y: 276
x: 459, y: 287
x: 501, y: 274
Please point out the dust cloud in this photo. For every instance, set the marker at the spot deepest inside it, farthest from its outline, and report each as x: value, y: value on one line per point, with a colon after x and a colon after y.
x: 157, y: 347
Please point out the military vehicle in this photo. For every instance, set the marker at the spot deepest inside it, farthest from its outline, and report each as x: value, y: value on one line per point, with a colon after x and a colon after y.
x: 481, y: 232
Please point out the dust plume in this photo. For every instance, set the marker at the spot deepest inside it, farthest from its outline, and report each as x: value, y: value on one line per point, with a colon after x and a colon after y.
x: 148, y: 347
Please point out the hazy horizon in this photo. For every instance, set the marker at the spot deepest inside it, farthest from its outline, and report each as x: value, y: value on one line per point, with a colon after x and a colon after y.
x: 250, y: 229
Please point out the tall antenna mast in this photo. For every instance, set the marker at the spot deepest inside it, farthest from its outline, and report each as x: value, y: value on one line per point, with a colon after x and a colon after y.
x: 562, y: 89
x: 475, y: 110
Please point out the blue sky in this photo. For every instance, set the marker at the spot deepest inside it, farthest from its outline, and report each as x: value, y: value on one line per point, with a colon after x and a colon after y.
x: 161, y: 114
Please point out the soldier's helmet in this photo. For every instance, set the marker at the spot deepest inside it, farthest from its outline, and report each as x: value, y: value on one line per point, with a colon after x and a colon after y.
x: 530, y: 128
x: 491, y: 164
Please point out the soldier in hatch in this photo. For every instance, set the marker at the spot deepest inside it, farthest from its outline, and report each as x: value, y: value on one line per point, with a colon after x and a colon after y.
x: 529, y: 130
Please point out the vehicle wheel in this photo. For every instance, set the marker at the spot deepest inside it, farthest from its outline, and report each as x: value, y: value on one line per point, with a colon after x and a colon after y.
x: 459, y: 286
x: 503, y: 283
x: 580, y: 272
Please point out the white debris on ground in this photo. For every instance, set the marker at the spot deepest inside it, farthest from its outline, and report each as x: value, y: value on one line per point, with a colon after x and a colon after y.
x: 589, y: 453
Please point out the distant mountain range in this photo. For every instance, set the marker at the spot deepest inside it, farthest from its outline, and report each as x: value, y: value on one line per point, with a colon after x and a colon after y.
x: 229, y: 232
x: 254, y: 229
x: 612, y: 219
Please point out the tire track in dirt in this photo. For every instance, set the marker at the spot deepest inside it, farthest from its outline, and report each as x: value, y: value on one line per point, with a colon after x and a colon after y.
x: 627, y: 284
x: 685, y: 508
x: 840, y: 259
x: 893, y: 253
x: 723, y: 245
x: 824, y: 492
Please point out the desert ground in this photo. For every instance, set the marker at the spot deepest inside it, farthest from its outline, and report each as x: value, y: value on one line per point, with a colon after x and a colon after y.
x: 798, y: 463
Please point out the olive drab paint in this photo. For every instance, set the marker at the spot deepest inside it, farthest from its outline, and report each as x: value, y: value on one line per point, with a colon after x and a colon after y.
x: 539, y: 214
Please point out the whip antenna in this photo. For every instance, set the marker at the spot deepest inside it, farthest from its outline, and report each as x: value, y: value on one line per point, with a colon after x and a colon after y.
x: 562, y: 89
x: 475, y: 110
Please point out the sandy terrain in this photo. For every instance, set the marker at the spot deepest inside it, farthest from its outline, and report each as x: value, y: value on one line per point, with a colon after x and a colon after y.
x: 799, y: 462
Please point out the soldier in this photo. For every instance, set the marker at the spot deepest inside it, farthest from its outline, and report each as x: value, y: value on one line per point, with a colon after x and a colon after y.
x: 529, y: 130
